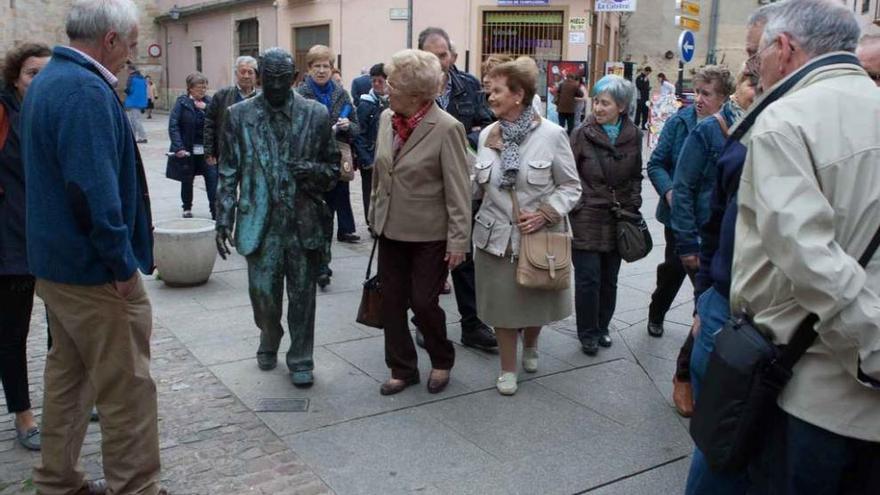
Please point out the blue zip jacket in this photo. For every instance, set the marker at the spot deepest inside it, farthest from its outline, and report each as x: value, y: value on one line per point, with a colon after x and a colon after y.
x: 136, y: 91
x: 717, y: 234
x: 88, y: 212
x: 661, y: 166
x: 694, y: 180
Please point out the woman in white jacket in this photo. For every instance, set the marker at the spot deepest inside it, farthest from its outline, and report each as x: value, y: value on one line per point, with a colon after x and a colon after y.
x: 530, y: 156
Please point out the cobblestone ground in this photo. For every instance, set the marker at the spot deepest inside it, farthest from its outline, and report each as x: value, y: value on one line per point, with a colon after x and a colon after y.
x: 210, y: 442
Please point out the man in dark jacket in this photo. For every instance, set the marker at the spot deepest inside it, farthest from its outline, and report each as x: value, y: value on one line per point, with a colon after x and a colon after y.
x: 643, y: 85
x: 215, y: 115
x: 89, y: 232
x: 360, y: 86
x: 567, y: 93
x: 369, y: 110
x: 462, y: 98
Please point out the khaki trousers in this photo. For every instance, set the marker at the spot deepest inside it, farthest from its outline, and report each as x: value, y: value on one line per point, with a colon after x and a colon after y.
x: 100, y: 354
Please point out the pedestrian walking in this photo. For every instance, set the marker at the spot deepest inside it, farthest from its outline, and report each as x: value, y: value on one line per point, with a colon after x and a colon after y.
x: 608, y: 152
x: 461, y: 96
x: 89, y: 231
x: 666, y: 86
x: 136, y: 102
x: 869, y: 55
x: 279, y: 158
x: 186, y: 128
x: 421, y: 215
x: 215, y: 114
x: 567, y: 93
x: 151, y: 97
x: 643, y: 86
x: 318, y: 86
x: 369, y: 110
x: 527, y: 157
x: 16, y: 282
x: 712, y: 282
x: 807, y: 204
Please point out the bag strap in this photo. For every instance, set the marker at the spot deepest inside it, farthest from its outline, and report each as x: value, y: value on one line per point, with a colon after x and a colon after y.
x: 806, y: 334
x: 723, y: 123
x: 372, y: 254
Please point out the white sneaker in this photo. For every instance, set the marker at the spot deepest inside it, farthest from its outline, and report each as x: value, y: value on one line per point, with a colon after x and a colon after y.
x: 530, y: 359
x: 506, y: 384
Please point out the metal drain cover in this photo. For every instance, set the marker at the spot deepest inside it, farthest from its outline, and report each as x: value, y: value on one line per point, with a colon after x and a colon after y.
x: 282, y: 405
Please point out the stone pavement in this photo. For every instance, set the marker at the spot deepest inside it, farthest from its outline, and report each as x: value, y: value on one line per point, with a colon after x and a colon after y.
x: 599, y: 425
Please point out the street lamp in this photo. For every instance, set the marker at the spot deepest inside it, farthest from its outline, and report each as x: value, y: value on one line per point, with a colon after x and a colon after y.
x: 174, y: 13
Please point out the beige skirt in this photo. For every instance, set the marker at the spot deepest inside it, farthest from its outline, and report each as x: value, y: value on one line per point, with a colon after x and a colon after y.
x: 502, y: 303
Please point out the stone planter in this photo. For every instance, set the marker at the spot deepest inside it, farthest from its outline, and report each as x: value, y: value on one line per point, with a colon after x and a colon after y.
x: 184, y: 251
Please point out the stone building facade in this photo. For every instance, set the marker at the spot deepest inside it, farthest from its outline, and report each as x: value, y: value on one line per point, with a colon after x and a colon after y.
x: 649, y: 37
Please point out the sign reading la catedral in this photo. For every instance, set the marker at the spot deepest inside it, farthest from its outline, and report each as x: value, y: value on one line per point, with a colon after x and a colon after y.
x: 615, y: 5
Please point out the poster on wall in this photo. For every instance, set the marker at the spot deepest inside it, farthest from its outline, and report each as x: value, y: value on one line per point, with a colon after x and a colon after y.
x: 615, y: 5
x: 556, y: 74
x: 614, y: 69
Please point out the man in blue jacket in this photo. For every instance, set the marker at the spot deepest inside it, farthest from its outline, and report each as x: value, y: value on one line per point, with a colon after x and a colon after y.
x: 89, y: 232
x: 136, y: 101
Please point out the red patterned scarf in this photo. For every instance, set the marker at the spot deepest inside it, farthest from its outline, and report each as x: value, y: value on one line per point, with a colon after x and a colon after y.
x: 404, y: 126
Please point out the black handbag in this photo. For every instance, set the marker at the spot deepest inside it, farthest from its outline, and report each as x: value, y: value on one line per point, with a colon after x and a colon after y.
x: 634, y: 240
x: 370, y: 309
x: 745, y: 376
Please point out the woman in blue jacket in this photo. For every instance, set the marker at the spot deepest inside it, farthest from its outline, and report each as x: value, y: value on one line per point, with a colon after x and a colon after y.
x: 186, y: 159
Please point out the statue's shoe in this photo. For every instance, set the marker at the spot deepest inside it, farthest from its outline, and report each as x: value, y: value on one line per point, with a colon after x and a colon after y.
x: 302, y: 379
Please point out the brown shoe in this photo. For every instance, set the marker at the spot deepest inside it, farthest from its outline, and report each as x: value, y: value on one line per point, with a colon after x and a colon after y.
x: 398, y: 385
x: 683, y: 397
x: 435, y: 386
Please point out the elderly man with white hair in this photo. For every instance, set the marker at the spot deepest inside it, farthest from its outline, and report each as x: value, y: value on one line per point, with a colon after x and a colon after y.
x: 215, y: 115
x: 808, y: 211
x: 89, y: 231
x: 869, y: 54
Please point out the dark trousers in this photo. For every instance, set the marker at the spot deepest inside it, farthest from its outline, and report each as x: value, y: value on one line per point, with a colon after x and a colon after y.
x: 16, y: 304
x: 211, y: 176
x: 280, y: 259
x: 799, y: 458
x: 411, y: 275
x: 595, y: 295
x: 566, y: 120
x: 339, y: 200
x: 670, y: 276
x: 366, y: 190
x: 641, y: 114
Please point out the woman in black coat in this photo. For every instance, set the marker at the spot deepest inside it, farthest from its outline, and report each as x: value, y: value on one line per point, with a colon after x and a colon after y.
x: 16, y: 283
x: 186, y: 157
x: 607, y: 149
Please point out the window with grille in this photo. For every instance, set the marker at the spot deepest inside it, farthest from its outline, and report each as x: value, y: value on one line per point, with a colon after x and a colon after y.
x: 249, y: 37
x: 198, y: 59
x: 536, y: 34
x: 866, y: 6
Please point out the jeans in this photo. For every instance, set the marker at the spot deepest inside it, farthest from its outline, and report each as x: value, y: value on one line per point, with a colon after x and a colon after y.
x: 339, y: 200
x: 595, y: 296
x: 211, y: 177
x: 799, y: 458
x: 714, y: 310
x: 566, y: 120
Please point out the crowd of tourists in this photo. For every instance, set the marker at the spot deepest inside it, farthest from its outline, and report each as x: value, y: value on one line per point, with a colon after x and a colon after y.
x: 768, y: 188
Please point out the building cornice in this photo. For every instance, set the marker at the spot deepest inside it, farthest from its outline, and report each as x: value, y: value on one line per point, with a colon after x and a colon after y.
x: 180, y: 13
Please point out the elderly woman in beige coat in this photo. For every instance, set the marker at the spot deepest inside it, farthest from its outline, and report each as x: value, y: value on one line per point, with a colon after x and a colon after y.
x: 421, y: 214
x: 530, y: 156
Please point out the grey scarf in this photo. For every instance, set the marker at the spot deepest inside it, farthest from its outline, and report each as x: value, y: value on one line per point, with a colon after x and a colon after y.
x: 512, y: 134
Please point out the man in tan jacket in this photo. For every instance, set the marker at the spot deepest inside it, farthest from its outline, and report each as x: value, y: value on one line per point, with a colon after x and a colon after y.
x: 809, y: 204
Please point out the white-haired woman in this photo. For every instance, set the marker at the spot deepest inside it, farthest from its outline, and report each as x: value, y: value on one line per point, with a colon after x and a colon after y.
x: 609, y: 161
x: 421, y: 213
x: 529, y: 156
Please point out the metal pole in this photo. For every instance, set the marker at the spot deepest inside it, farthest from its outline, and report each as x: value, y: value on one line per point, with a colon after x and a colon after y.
x: 409, y: 23
x: 713, y: 31
x: 679, y: 85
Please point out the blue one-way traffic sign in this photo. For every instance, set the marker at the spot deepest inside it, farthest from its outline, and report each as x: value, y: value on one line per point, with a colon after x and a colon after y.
x: 687, y: 44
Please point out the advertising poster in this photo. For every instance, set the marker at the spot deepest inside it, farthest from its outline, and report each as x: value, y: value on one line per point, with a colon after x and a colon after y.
x: 556, y: 73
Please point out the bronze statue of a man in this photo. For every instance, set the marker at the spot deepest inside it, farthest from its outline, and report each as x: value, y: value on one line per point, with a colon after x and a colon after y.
x: 278, y: 159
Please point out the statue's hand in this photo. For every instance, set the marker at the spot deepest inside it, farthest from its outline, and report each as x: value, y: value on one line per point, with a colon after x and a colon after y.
x: 223, y: 240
